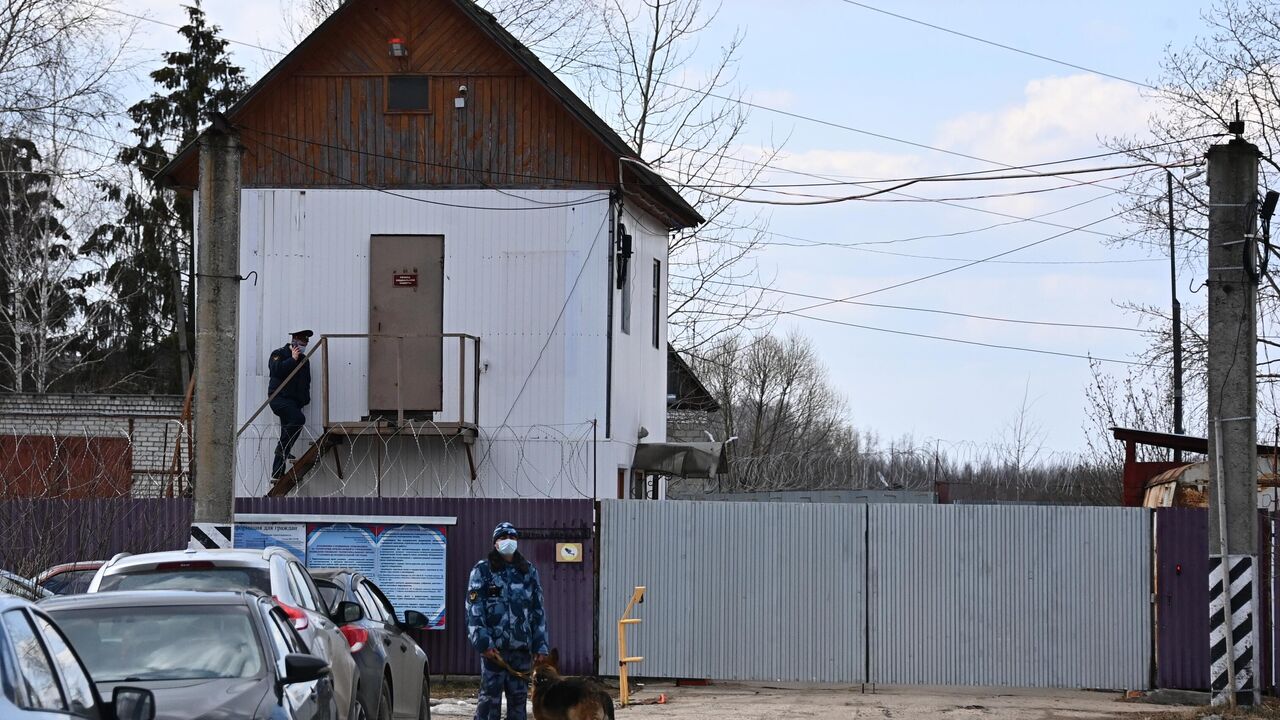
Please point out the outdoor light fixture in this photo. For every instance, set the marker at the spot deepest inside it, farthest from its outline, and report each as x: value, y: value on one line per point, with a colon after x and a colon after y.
x: 396, y: 48
x: 1269, y: 205
x: 624, y: 254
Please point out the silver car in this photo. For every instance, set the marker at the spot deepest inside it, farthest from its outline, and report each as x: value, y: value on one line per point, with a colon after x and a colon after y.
x: 274, y: 571
x: 18, y: 586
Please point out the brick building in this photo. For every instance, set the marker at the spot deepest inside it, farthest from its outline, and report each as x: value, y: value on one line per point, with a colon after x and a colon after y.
x: 76, y: 446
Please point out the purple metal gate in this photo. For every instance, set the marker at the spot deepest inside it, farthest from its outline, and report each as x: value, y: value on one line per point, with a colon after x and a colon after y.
x: 1182, y: 599
x: 568, y: 588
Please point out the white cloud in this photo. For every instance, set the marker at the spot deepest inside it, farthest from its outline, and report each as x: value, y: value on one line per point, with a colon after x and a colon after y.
x: 1058, y: 117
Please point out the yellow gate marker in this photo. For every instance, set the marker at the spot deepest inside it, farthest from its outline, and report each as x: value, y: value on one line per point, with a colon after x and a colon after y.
x: 636, y: 597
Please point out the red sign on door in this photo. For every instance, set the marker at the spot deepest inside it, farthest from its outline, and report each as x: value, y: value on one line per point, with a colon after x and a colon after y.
x: 405, y: 279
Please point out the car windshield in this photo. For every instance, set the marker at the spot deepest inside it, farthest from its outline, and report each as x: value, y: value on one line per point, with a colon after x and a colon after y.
x: 72, y: 582
x: 134, y: 644
x: 331, y: 593
x: 213, y: 578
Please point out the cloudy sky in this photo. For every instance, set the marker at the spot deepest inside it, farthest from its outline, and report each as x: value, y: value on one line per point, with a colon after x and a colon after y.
x: 837, y: 62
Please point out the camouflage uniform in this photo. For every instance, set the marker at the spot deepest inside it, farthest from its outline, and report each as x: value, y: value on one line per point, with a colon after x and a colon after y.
x: 504, y: 611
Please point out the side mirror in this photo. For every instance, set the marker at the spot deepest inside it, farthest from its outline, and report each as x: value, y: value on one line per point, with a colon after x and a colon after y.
x: 299, y: 668
x: 416, y: 620
x: 130, y: 703
x: 348, y: 612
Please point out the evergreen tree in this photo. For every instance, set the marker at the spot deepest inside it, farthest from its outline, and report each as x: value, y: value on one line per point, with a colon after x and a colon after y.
x: 137, y: 337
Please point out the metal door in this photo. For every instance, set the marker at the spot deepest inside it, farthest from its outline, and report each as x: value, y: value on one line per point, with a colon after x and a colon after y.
x: 406, y: 323
x: 1182, y: 598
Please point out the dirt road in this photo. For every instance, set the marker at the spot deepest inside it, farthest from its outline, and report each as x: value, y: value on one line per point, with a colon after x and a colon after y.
x: 756, y: 702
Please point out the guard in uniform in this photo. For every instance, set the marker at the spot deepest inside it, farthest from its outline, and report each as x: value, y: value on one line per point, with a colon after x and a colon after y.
x: 506, y: 624
x: 295, y: 395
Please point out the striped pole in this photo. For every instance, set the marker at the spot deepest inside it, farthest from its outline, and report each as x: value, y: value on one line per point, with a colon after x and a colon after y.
x: 1231, y: 607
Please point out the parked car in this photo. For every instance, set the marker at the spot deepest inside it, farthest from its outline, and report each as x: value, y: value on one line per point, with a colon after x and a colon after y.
x: 42, y: 677
x: 394, y: 671
x: 69, y: 578
x: 18, y: 586
x: 274, y: 571
x: 201, y: 654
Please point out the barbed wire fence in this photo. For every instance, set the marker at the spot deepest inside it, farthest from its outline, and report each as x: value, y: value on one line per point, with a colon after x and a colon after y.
x: 83, y: 488
x: 421, y: 459
x: 967, y: 472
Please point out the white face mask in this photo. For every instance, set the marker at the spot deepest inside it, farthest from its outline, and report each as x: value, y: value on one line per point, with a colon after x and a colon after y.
x: 507, y: 546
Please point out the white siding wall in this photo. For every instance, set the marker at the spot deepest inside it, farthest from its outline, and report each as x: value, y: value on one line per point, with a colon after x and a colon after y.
x: 507, y: 275
x: 639, y: 369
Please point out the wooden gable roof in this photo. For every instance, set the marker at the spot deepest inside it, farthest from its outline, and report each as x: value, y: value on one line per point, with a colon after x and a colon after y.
x: 320, y: 117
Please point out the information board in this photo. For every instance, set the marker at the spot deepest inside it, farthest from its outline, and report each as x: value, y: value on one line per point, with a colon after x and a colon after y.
x: 405, y: 560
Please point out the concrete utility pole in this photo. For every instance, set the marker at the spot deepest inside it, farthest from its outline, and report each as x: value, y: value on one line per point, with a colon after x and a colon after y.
x: 1233, y: 464
x: 217, y: 321
x: 1176, y: 313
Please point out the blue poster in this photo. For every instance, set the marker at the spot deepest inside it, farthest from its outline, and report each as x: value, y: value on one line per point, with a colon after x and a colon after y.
x: 406, y: 561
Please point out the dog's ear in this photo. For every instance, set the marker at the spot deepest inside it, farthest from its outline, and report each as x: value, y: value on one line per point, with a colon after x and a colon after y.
x: 554, y: 658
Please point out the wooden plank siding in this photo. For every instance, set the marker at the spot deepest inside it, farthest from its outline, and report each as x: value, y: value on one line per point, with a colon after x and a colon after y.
x: 321, y: 121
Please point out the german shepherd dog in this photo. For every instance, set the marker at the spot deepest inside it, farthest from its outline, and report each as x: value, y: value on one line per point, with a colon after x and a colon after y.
x: 558, y: 698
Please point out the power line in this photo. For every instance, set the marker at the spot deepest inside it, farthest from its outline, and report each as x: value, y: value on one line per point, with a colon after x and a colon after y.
x: 962, y: 341
x: 337, y: 176
x: 1089, y: 326
x: 179, y: 27
x: 914, y: 256
x: 798, y: 116
x: 1002, y: 46
x: 930, y: 276
x: 874, y: 196
x: 972, y: 176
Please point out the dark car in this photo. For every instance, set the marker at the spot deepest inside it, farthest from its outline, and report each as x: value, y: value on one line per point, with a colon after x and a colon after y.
x: 202, y: 654
x: 69, y: 578
x: 42, y: 677
x: 394, y: 671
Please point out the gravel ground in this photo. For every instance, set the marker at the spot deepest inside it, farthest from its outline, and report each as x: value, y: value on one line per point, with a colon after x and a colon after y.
x: 774, y: 702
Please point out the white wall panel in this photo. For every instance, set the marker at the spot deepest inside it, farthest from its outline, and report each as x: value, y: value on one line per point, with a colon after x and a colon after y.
x: 507, y: 276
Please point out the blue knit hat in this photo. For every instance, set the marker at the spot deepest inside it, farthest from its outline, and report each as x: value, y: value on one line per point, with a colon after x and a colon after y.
x: 505, y: 528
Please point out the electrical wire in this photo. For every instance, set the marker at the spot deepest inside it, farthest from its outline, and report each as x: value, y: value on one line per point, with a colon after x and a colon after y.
x: 602, y: 198
x: 940, y: 273
x: 1002, y: 46
x: 991, y: 318
x: 854, y: 247
x: 874, y: 196
x: 962, y: 341
x: 552, y: 332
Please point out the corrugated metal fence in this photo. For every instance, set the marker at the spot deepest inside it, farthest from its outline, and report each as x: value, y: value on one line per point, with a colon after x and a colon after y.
x: 1030, y: 596
x: 1021, y: 596
x: 736, y: 591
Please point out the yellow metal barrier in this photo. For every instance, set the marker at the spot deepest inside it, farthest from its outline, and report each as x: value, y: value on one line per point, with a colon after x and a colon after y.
x: 637, y: 596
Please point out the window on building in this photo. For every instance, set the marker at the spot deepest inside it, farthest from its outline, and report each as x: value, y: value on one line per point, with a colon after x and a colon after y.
x: 657, y: 301
x: 408, y: 93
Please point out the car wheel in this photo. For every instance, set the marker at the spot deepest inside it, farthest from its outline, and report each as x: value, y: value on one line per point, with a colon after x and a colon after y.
x: 384, y: 703
x: 424, y: 705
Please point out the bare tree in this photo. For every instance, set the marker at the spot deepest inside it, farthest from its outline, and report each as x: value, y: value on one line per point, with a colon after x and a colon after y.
x: 775, y: 398
x: 690, y: 127
x: 1022, y: 439
x: 1234, y: 67
x: 60, y: 62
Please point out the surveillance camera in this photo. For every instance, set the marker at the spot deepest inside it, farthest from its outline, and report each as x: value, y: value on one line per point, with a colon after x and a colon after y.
x: 462, y: 89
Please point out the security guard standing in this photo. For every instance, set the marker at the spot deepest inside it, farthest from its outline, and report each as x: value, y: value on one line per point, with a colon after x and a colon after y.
x: 295, y: 395
x: 506, y: 624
